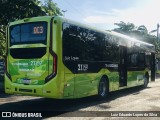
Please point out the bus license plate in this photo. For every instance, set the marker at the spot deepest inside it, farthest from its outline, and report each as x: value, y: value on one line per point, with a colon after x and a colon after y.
x: 26, y: 81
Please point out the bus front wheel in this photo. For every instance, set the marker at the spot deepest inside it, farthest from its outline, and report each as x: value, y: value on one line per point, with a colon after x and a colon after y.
x: 103, y: 89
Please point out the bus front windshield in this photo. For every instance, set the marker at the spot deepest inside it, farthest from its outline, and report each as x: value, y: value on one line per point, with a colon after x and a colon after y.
x: 28, y: 33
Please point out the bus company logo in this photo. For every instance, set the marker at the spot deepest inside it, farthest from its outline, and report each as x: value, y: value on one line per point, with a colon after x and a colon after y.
x: 111, y: 65
x: 6, y: 114
x: 21, y: 115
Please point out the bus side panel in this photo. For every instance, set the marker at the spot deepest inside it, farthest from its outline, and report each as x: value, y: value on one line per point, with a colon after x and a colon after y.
x: 86, y: 84
x: 135, y: 78
x: 54, y: 88
x: 113, y: 81
x: 68, y: 91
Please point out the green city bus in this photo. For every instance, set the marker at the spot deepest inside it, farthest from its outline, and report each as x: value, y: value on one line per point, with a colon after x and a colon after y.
x: 54, y: 57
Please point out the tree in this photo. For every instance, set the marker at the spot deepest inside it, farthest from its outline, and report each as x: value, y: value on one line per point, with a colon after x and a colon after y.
x: 139, y: 32
x: 51, y: 8
x: 19, y: 9
x: 124, y: 28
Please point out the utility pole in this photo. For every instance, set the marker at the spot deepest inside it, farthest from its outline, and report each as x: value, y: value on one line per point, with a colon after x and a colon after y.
x: 157, y: 32
x: 156, y: 60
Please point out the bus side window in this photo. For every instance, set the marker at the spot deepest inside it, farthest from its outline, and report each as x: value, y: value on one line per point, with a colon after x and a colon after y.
x: 141, y: 60
x: 137, y: 60
x: 133, y: 61
x: 148, y: 61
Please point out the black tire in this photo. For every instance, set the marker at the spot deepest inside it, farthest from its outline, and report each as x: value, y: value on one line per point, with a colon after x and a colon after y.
x: 146, y: 81
x: 103, y: 89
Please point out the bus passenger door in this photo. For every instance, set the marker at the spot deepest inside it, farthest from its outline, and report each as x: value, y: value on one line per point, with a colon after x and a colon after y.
x: 153, y: 71
x: 123, y: 67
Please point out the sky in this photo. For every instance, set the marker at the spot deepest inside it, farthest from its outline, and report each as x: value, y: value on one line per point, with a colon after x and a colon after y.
x: 104, y: 13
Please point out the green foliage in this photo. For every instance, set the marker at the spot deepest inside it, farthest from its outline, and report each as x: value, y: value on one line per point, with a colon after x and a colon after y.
x: 19, y: 9
x: 2, y: 41
x: 139, y: 32
x: 51, y: 8
x: 124, y: 28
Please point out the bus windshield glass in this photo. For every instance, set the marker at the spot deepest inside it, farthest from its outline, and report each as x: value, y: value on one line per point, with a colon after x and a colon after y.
x: 28, y: 33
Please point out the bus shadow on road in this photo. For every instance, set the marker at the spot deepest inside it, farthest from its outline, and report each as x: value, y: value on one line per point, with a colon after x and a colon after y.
x: 2, y: 95
x: 54, y: 107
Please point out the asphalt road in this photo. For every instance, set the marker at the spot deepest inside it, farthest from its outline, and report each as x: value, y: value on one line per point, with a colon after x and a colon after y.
x: 133, y: 99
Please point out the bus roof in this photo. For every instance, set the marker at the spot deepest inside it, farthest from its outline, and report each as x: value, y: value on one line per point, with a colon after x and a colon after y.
x: 116, y: 34
x: 126, y: 38
x: 130, y: 38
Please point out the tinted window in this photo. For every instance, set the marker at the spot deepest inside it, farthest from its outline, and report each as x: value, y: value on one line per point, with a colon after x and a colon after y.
x: 28, y: 53
x: 88, y: 45
x: 133, y: 59
x: 111, y: 49
x: 136, y: 60
x: 28, y: 33
x: 148, y: 60
x: 73, y: 43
